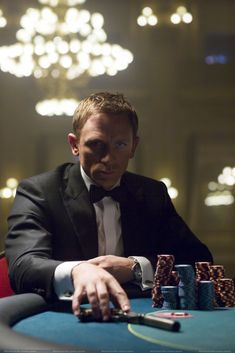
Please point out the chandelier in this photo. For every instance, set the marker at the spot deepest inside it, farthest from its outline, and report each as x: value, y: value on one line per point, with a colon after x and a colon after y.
x: 58, y: 43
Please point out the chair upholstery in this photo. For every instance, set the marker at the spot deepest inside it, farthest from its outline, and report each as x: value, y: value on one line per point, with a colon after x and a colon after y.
x: 5, y: 288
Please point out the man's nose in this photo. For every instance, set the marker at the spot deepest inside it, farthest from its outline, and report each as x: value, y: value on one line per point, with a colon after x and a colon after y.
x: 108, y: 155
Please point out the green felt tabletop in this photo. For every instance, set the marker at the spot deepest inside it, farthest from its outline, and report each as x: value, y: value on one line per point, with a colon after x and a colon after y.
x: 205, y: 331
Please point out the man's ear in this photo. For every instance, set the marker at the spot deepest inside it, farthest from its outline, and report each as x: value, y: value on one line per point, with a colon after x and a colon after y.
x: 73, y: 141
x: 134, y: 146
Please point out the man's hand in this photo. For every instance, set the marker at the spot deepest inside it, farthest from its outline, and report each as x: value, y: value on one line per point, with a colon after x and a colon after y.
x: 119, y: 267
x: 99, y: 286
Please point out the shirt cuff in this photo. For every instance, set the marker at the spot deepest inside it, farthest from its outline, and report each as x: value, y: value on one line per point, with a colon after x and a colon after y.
x: 63, y: 284
x: 147, y: 272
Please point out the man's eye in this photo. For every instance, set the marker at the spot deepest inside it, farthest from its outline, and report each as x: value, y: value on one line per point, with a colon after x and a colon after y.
x: 96, y: 144
x: 121, y: 144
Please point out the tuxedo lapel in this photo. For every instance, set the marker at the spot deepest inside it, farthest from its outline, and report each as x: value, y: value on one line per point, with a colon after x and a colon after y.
x: 81, y: 212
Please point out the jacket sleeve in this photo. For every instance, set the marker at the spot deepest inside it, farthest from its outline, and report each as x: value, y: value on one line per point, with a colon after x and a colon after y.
x: 29, y: 241
x: 177, y: 238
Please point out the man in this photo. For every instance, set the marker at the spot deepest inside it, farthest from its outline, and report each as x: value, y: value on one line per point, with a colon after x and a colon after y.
x: 64, y: 237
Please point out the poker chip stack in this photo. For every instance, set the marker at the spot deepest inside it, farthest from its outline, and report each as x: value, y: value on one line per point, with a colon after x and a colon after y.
x: 170, y: 296
x: 161, y: 278
x: 226, y: 292
x: 174, y: 278
x: 202, y: 271
x: 182, y: 289
x: 203, y: 274
x: 216, y: 273
x: 206, y: 295
x: 186, y: 287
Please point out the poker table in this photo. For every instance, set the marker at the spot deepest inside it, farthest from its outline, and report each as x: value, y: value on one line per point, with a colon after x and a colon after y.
x: 28, y: 323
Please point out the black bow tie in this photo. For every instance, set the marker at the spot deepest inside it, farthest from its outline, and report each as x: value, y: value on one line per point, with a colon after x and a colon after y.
x: 98, y: 193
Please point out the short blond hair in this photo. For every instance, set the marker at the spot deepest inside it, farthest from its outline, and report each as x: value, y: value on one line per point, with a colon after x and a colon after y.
x: 104, y: 102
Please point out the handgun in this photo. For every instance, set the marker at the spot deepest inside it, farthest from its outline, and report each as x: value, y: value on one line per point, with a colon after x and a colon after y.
x: 117, y: 315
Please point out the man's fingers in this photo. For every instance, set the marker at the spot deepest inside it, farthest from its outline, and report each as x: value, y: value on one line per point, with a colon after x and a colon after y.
x: 98, y: 285
x: 119, y: 297
x: 103, y: 296
x: 77, y: 298
x: 93, y: 299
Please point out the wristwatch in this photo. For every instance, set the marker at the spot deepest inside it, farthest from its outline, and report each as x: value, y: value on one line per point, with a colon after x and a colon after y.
x: 136, y: 270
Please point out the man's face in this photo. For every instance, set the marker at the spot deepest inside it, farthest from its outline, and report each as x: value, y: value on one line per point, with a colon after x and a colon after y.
x: 105, y: 145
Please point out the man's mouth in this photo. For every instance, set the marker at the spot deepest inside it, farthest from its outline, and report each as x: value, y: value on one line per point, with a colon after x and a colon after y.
x: 107, y: 172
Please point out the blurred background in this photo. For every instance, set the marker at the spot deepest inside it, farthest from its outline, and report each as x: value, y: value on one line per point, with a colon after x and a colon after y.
x: 175, y: 62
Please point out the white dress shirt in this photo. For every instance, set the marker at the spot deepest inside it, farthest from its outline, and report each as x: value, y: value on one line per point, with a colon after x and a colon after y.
x: 108, y: 219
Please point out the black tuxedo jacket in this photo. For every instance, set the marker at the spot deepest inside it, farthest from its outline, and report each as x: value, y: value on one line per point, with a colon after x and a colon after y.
x: 53, y: 220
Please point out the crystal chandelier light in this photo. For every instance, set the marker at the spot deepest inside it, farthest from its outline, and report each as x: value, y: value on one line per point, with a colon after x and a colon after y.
x: 181, y: 15
x: 172, y: 191
x: 149, y: 18
x: 221, y: 191
x: 3, y: 21
x: 58, y: 43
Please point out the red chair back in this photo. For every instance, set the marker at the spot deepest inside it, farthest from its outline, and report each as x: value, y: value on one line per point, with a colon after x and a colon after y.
x: 5, y: 288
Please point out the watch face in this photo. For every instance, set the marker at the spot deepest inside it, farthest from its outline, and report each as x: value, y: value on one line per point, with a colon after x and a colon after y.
x: 137, y: 272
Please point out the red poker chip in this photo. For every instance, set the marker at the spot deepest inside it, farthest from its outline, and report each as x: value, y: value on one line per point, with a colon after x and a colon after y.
x: 172, y: 314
